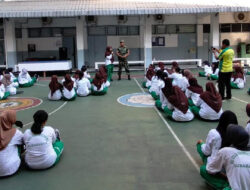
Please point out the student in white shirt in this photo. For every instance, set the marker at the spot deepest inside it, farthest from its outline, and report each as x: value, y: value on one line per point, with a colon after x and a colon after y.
x: 234, y: 159
x: 9, y: 86
x: 69, y: 92
x: 193, y: 92
x: 207, y: 70
x: 56, y: 88
x: 178, y: 79
x: 209, y: 106
x: 43, y: 145
x: 10, y: 141
x: 216, y: 138
x: 3, y: 93
x: 215, y: 74
x: 98, y: 85
x: 109, y: 59
x: 177, y: 103
x: 238, y: 79
x: 149, y: 74
x: 86, y: 74
x: 13, y: 77
x: 248, y: 123
x: 25, y: 80
x: 83, y: 85
x: 156, y: 84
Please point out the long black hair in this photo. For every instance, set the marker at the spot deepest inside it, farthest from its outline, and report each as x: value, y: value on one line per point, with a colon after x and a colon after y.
x: 228, y: 117
x: 39, y: 117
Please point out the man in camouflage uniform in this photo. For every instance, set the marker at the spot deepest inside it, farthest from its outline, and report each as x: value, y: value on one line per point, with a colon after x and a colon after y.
x: 122, y: 53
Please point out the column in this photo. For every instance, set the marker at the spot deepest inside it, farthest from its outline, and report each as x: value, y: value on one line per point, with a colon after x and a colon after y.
x: 147, y: 41
x: 199, y: 35
x: 10, y: 43
x: 81, y: 40
x: 214, y: 32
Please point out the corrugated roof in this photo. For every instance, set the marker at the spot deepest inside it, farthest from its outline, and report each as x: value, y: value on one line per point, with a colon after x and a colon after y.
x: 60, y: 8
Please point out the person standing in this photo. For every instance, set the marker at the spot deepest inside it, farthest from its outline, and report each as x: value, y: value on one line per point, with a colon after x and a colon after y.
x: 109, y: 59
x: 122, y: 54
x: 225, y: 68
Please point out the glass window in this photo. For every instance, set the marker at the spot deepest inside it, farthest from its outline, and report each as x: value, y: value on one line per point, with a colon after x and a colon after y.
x: 111, y: 30
x: 96, y: 30
x: 225, y: 28
x: 123, y: 30
x: 206, y: 28
x: 171, y: 29
x: 69, y: 32
x: 187, y: 28
x: 56, y: 32
x: 245, y: 27
x: 236, y: 27
x: 34, y: 32
x: 46, y: 32
x: 133, y: 30
x: 160, y: 29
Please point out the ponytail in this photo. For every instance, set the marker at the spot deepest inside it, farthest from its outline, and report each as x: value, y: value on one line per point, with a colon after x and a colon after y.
x: 39, y: 117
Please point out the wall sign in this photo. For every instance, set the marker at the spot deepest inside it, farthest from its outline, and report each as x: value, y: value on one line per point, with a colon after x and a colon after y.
x: 158, y: 41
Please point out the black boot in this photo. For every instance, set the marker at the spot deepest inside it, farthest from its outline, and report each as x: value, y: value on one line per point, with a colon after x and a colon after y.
x: 119, y: 77
x: 129, y: 77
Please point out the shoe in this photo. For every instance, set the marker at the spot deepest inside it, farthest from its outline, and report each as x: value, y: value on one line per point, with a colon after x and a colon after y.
x: 129, y: 77
x: 57, y: 134
x: 228, y: 98
x: 119, y: 77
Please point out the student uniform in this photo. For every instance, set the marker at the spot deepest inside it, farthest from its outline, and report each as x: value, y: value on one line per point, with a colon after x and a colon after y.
x: 180, y: 81
x: 109, y: 64
x: 69, y: 95
x: 238, y: 82
x: 83, y: 87
x: 42, y: 150
x: 3, y: 93
x: 25, y: 80
x: 156, y: 86
x: 9, y: 157
x: 11, y: 88
x: 207, y: 71
x: 248, y: 131
x: 195, y: 97
x: 57, y: 95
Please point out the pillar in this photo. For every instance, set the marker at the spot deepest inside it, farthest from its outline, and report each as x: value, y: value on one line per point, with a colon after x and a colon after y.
x: 147, y: 41
x: 214, y: 32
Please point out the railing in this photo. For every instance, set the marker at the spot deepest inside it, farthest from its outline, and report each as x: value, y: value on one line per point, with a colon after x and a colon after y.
x: 245, y: 60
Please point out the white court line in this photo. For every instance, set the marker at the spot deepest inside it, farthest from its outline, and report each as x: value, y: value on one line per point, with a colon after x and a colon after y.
x: 40, y: 85
x: 54, y: 111
x: 197, y: 167
x: 240, y: 100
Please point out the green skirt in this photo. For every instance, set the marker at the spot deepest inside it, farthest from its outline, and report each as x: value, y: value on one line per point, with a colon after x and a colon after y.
x: 99, y: 93
x: 29, y: 84
x: 6, y: 94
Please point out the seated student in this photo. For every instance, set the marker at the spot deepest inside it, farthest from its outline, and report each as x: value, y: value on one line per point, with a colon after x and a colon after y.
x: 209, y: 106
x: 103, y: 72
x: 43, y: 145
x: 98, y: 85
x: 13, y: 77
x: 14, y: 81
x: 85, y: 73
x: 207, y: 70
x: 187, y: 74
x: 238, y: 79
x: 109, y: 59
x: 178, y: 79
x: 25, y: 80
x: 149, y: 74
x: 234, y: 158
x: 156, y: 84
x: 248, y: 123
x: 177, y: 103
x: 162, y: 102
x: 56, y: 88
x: 174, y: 66
x: 69, y: 92
x: 74, y: 78
x: 216, y: 138
x: 3, y: 93
x: 215, y: 74
x: 83, y: 85
x: 9, y: 86
x: 11, y: 139
x: 193, y: 92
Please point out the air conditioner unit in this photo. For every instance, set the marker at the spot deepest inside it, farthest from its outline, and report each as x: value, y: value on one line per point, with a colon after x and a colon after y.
x: 241, y: 17
x: 122, y: 19
x: 91, y: 20
x: 46, y: 20
x: 159, y: 18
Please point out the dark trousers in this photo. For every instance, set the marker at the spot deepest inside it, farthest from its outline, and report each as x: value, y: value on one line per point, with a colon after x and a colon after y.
x: 123, y: 64
x: 224, y: 81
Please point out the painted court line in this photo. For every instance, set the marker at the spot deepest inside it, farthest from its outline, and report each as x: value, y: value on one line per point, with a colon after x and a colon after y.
x: 197, y: 167
x: 240, y: 100
x: 40, y: 85
x: 54, y: 111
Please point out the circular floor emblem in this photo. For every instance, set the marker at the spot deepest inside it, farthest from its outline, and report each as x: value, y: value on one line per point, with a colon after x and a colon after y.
x: 19, y: 103
x: 137, y: 100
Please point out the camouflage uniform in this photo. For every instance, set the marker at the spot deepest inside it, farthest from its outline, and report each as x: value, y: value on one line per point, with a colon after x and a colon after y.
x: 123, y: 61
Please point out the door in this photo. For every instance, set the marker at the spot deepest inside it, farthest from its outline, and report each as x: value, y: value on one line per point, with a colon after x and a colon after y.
x: 69, y: 43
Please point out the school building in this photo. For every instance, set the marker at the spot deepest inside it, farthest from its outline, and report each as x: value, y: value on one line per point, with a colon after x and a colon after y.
x: 80, y: 30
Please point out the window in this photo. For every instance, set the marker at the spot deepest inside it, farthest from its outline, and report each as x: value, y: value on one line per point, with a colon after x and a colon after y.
x: 46, y: 32
x: 18, y: 32
x: 161, y: 29
x: 34, y: 32
x: 206, y: 28
x: 96, y: 30
x: 225, y: 28
x: 187, y: 28
x: 122, y: 30
x: 245, y: 27
x: 236, y: 27
x: 111, y: 30
x: 171, y: 29
x: 69, y: 32
x: 133, y: 30
x: 56, y: 32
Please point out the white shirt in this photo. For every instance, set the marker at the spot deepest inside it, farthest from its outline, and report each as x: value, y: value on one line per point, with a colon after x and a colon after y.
x: 39, y: 152
x: 23, y: 79
x: 148, y: 82
x: 11, y: 88
x: 164, y: 100
x: 86, y: 75
x: 212, y: 145
x: 101, y: 89
x: 108, y: 59
x: 236, y: 164
x: 9, y: 158
x: 56, y: 96
x: 180, y: 81
x: 208, y: 70
x: 68, y: 94
x: 239, y: 82
x: 2, y: 91
x: 156, y: 85
x: 206, y: 112
x: 216, y: 72
x: 12, y: 76
x: 83, y: 87
x: 248, y: 131
x: 195, y: 97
